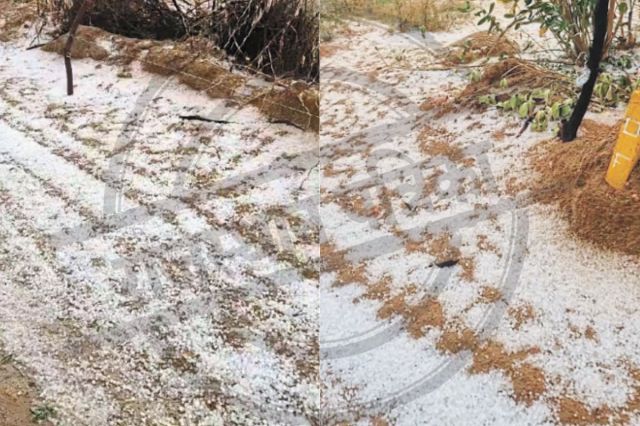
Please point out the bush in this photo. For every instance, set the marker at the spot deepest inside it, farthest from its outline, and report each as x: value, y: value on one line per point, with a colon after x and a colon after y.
x: 279, y: 37
x: 570, y: 22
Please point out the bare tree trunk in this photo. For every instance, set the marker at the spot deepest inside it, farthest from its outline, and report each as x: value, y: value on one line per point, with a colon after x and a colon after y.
x: 611, y: 25
x: 569, y: 129
x: 86, y: 5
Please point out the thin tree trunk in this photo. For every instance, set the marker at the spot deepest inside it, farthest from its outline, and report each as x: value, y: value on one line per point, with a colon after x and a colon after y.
x: 569, y: 129
x: 86, y: 5
x: 611, y: 26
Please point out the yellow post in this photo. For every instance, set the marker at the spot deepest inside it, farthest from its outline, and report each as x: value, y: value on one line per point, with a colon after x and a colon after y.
x: 627, y: 150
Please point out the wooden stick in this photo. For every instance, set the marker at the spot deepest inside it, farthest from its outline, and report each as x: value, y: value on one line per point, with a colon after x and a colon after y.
x: 86, y: 5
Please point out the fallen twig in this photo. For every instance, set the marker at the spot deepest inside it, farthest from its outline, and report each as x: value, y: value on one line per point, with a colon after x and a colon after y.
x: 208, y: 120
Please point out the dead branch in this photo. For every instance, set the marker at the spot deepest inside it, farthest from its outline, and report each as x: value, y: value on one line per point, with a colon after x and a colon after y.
x: 86, y: 5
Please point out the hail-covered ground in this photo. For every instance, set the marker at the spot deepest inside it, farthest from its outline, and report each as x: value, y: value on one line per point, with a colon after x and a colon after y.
x: 153, y: 269
x: 447, y: 297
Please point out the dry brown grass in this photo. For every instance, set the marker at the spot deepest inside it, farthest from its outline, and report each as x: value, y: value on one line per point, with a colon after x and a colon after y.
x: 571, y: 176
x: 426, y: 15
x: 480, y: 45
x: 520, y: 75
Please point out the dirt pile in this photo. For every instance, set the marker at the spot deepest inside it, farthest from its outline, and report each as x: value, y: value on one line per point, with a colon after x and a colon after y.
x: 199, y: 65
x: 14, y: 17
x: 298, y: 105
x: 85, y: 45
x: 196, y: 72
x: 571, y: 176
x: 17, y: 396
x: 480, y: 45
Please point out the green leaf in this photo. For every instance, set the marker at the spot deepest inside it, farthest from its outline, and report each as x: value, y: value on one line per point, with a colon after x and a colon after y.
x: 555, y: 111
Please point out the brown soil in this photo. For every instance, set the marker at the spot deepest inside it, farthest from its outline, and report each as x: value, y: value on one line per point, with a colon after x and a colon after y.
x: 571, y: 177
x: 427, y: 313
x: 454, y: 341
x: 480, y: 45
x: 17, y: 395
x: 521, y: 315
x: 443, y: 250
x: 327, y: 50
x: 574, y: 412
x: 298, y: 104
x: 197, y: 65
x: 437, y: 141
x: 528, y: 381
x: 15, y: 16
x: 85, y: 44
x: 490, y: 295
x: 334, y: 260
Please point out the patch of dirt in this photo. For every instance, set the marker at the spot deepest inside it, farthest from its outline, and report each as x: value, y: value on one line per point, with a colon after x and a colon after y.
x: 443, y: 250
x: 298, y: 104
x: 574, y: 412
x: 528, y: 381
x: 437, y: 141
x: 85, y: 45
x: 571, y: 177
x: 334, y: 260
x: 15, y: 17
x: 427, y: 313
x: 17, y: 395
x: 521, y: 315
x: 490, y: 295
x: 441, y: 105
x: 294, y: 103
x: 468, y: 265
x: 480, y: 45
x: 454, y: 341
x: 328, y: 50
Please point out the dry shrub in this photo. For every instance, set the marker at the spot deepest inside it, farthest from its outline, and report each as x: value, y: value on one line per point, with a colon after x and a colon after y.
x: 279, y: 37
x: 571, y: 176
x: 85, y: 45
x: 520, y: 76
x: 480, y: 45
x: 152, y: 19
x: 298, y: 104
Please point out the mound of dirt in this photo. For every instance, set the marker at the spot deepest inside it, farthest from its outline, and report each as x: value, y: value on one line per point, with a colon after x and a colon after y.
x: 85, y: 45
x: 198, y: 64
x: 480, y: 45
x: 197, y: 73
x: 571, y: 176
x: 519, y: 75
x: 14, y: 17
x: 298, y: 104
